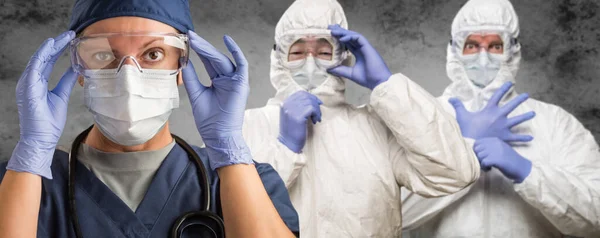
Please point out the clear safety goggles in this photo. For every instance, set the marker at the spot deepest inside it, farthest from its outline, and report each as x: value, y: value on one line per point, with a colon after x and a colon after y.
x: 467, y: 51
x: 295, y: 47
x: 152, y: 51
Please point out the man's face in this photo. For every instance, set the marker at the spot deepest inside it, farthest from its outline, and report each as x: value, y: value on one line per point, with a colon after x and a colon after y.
x: 150, y: 52
x: 492, y: 43
x: 318, y: 47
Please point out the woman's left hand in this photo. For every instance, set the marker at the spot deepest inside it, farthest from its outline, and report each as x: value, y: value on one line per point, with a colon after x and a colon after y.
x: 219, y: 109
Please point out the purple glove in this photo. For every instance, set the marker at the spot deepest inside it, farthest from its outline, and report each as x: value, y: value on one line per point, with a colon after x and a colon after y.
x: 493, y: 152
x: 369, y: 70
x: 492, y: 120
x: 294, y: 115
x: 42, y: 113
x: 219, y: 109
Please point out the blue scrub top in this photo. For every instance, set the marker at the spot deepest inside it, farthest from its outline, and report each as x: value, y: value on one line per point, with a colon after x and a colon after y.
x: 174, y: 190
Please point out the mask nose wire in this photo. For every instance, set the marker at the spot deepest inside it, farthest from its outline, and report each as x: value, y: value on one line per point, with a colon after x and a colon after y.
x: 132, y: 59
x: 311, y: 63
x: 484, y: 58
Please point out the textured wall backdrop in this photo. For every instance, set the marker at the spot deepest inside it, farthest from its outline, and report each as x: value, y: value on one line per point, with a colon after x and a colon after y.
x: 560, y: 50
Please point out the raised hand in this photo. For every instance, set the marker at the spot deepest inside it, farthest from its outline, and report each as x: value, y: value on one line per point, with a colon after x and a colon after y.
x: 492, y: 120
x: 369, y: 70
x: 42, y: 113
x: 219, y: 109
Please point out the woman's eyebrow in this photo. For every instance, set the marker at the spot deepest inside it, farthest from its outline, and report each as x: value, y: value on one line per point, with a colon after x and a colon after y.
x: 149, y: 43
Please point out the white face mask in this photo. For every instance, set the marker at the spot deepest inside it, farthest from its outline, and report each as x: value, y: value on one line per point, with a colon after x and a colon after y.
x: 130, y: 106
x: 310, y: 76
x: 482, y: 68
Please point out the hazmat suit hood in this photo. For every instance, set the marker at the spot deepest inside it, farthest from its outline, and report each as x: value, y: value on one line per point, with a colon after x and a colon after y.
x: 402, y: 138
x: 307, y: 15
x: 554, y: 200
x: 478, y: 16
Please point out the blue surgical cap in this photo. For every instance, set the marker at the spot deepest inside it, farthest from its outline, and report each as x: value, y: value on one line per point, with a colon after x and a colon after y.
x: 175, y: 13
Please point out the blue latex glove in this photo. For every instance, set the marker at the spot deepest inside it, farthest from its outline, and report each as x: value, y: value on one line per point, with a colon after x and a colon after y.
x: 293, y: 118
x: 219, y: 109
x: 492, y: 120
x: 369, y: 70
x: 493, y: 152
x: 42, y: 113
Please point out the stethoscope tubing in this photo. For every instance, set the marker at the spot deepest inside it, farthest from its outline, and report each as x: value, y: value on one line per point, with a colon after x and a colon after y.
x: 192, y: 155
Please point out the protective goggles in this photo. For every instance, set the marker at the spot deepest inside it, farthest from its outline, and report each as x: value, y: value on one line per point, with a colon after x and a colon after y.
x: 154, y: 51
x: 465, y: 44
x: 295, y: 47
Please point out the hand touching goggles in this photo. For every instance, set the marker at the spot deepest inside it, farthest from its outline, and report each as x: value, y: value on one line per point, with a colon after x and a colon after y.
x: 156, y: 51
x: 296, y: 46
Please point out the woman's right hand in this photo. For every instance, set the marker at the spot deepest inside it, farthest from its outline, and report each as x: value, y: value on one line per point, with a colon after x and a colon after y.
x: 42, y: 113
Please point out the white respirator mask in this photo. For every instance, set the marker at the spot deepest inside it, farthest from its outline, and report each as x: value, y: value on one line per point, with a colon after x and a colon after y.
x: 310, y: 75
x: 482, y: 68
x: 131, y: 105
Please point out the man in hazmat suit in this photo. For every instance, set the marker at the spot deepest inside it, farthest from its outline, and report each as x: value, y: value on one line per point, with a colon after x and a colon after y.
x: 543, y: 185
x: 344, y: 165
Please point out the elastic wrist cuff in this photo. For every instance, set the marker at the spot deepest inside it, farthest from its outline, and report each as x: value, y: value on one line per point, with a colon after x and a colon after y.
x: 292, y: 146
x: 227, y: 151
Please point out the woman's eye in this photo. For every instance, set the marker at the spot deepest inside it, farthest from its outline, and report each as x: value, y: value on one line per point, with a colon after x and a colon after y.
x: 325, y: 53
x: 470, y: 46
x: 497, y: 47
x: 297, y: 53
x: 104, y: 56
x: 154, y: 55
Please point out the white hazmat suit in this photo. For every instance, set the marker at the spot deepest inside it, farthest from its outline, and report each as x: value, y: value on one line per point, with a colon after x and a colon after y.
x: 562, y: 192
x: 346, y: 182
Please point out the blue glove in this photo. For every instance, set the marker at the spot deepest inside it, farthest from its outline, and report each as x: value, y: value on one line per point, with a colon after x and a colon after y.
x: 492, y: 120
x: 370, y: 69
x: 219, y: 109
x: 293, y: 116
x: 42, y: 113
x: 493, y: 152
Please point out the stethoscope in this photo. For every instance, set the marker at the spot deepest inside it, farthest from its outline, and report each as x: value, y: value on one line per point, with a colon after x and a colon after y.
x: 204, y: 221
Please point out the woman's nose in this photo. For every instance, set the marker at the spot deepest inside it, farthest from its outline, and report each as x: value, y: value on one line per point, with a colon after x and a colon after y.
x: 130, y: 60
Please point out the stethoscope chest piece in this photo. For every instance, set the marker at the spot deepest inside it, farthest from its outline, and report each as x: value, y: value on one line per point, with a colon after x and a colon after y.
x: 199, y: 223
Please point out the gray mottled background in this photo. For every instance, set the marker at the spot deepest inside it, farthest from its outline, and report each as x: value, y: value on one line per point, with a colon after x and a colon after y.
x: 560, y: 50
